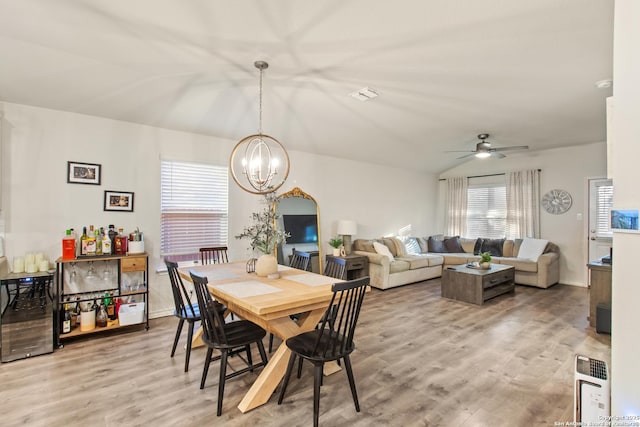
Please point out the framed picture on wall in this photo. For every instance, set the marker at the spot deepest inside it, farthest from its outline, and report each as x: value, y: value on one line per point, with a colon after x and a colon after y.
x: 118, y: 201
x: 83, y: 173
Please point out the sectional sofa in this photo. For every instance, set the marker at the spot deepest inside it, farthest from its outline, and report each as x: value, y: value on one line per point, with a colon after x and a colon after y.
x: 410, y: 260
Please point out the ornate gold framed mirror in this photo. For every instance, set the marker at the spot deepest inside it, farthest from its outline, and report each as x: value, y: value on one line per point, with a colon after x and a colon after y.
x: 299, y: 215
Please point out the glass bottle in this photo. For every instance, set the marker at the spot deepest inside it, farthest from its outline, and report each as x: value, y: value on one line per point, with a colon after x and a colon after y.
x: 66, y: 320
x: 106, y: 243
x: 83, y: 241
x: 112, y: 235
x: 91, y: 241
x: 101, y: 317
x: 98, y: 243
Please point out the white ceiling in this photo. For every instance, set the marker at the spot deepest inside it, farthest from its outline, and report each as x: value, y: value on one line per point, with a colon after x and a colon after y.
x: 521, y: 70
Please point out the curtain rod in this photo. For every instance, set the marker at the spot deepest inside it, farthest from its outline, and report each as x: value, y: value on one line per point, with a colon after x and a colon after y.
x: 482, y: 176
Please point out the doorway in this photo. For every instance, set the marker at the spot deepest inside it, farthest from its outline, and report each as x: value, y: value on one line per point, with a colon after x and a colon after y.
x: 600, y: 204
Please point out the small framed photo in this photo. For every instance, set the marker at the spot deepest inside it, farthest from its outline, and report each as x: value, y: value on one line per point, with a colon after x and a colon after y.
x: 83, y: 173
x: 118, y: 201
x: 625, y: 220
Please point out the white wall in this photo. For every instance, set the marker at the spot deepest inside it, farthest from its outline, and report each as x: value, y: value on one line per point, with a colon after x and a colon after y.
x: 565, y: 168
x: 38, y: 204
x: 625, y: 345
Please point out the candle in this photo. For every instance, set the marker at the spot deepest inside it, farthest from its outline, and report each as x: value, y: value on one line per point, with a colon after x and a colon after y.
x: 18, y: 265
x: 31, y: 268
x: 29, y: 259
x: 44, y: 265
x: 39, y: 258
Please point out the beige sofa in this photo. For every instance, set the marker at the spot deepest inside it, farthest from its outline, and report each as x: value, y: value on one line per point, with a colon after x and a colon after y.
x: 412, y: 262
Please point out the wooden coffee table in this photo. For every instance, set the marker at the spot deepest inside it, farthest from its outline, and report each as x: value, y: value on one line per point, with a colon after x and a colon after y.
x: 475, y: 286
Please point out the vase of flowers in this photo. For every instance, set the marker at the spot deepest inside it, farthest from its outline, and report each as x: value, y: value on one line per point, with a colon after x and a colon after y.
x: 485, y: 260
x: 264, y: 236
x: 335, y: 243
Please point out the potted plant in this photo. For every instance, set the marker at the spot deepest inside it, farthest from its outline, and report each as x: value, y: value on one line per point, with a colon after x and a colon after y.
x: 264, y: 236
x: 485, y: 260
x: 335, y: 243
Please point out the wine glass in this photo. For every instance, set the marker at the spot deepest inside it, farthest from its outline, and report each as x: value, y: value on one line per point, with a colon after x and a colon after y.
x: 73, y: 276
x: 91, y: 273
x: 106, y: 273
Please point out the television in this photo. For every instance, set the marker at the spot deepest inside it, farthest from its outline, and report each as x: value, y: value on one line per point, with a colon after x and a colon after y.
x: 302, y: 228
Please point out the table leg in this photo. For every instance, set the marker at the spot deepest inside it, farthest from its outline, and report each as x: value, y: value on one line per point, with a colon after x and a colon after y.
x: 266, y: 383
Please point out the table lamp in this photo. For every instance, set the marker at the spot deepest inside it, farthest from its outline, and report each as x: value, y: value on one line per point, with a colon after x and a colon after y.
x: 347, y: 228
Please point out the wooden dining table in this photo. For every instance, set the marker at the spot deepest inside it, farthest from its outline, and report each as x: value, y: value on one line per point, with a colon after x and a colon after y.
x: 269, y: 303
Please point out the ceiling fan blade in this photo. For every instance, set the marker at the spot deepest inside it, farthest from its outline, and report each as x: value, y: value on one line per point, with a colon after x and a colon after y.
x: 459, y: 151
x: 518, y: 147
x: 497, y: 155
x: 473, y: 153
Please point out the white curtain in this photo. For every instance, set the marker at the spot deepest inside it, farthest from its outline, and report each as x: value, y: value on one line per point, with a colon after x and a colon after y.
x: 523, y: 204
x: 456, y: 216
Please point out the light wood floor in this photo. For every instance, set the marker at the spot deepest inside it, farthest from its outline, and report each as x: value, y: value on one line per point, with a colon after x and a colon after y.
x: 421, y: 361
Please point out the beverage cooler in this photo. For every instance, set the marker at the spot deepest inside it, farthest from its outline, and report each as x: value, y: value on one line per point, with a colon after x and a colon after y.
x: 26, y: 325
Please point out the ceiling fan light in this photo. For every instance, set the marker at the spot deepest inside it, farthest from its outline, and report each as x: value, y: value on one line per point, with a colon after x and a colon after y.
x: 482, y: 154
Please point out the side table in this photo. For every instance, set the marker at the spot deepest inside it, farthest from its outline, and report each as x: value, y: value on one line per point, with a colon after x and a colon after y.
x: 357, y: 266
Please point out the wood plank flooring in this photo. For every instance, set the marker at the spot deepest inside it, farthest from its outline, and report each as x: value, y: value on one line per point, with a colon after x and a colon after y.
x: 421, y: 361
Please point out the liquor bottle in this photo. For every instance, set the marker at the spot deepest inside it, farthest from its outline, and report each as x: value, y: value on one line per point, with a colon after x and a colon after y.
x: 112, y: 235
x: 106, y: 243
x: 83, y: 241
x: 68, y: 246
x: 98, y: 243
x: 111, y: 307
x: 78, y: 309
x: 101, y: 317
x: 66, y: 320
x: 124, y: 241
x: 91, y: 241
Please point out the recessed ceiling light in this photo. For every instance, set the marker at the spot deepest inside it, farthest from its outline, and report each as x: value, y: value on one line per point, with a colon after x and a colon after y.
x: 364, y: 94
x: 604, y: 84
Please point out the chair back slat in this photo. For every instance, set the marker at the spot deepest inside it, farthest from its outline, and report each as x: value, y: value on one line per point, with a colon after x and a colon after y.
x: 341, y: 318
x: 336, y: 268
x: 300, y: 260
x: 214, y: 255
x: 212, y: 320
x: 183, y: 305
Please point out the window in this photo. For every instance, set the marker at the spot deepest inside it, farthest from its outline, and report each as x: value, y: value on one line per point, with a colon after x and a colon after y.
x: 487, y: 210
x: 604, y: 203
x: 194, y: 208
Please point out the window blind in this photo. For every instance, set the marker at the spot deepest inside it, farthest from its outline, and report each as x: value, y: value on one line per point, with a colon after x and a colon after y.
x: 487, y: 211
x: 194, y: 207
x: 604, y: 203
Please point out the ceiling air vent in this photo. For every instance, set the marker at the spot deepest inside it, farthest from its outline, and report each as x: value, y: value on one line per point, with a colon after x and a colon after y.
x: 364, y: 94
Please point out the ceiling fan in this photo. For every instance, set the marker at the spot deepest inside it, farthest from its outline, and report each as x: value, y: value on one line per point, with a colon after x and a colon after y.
x: 484, y: 150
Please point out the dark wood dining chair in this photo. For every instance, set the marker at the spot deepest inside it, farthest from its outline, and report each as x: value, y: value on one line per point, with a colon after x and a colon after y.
x: 185, y: 309
x: 214, y: 255
x: 336, y: 268
x: 229, y: 338
x: 300, y: 260
x: 331, y: 341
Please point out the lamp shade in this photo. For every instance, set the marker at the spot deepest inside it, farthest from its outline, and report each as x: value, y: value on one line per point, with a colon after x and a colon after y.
x: 347, y: 227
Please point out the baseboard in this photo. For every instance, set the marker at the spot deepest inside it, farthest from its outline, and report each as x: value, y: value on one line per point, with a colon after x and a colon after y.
x: 579, y: 284
x: 160, y: 313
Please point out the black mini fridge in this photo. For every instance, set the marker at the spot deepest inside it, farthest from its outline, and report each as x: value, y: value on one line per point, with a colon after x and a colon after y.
x: 26, y: 325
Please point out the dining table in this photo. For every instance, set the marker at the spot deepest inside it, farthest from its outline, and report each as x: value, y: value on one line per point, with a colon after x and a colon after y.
x: 269, y: 302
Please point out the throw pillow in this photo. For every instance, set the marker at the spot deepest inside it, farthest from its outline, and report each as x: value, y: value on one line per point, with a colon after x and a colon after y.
x: 435, y: 245
x: 453, y: 245
x: 532, y: 248
x: 424, y: 247
x: 382, y: 250
x: 477, y: 248
x: 493, y: 246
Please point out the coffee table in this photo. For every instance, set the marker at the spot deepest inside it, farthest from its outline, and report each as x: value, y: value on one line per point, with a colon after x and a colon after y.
x: 476, y: 286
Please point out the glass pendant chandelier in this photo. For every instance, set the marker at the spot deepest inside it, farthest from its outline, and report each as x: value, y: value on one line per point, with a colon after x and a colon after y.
x: 259, y: 163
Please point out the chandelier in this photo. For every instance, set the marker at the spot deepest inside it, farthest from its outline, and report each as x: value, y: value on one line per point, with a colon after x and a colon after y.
x: 259, y: 163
